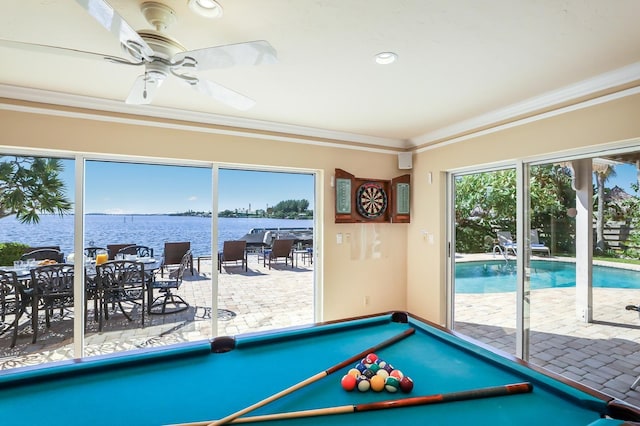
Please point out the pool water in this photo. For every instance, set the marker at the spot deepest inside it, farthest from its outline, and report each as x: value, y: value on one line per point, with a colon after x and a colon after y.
x: 498, y: 276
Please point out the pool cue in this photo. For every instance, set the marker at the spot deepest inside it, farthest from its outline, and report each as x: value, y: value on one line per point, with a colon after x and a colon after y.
x: 308, y: 381
x: 487, y: 392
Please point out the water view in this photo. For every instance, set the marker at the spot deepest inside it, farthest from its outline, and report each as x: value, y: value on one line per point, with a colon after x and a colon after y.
x: 149, y: 230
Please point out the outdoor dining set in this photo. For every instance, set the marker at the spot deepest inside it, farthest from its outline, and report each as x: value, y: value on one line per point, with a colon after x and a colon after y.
x: 122, y: 276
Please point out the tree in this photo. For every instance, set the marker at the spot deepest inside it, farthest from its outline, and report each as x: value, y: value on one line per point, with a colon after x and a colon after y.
x: 30, y: 186
x: 486, y: 202
x: 602, y: 173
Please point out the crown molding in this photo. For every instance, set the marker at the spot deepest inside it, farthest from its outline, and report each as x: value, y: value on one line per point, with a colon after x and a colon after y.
x: 290, y: 133
x: 529, y: 106
x: 586, y: 104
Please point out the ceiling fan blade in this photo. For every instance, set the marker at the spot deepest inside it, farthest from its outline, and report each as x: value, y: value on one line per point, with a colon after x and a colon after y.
x: 143, y: 90
x: 43, y: 48
x: 249, y: 53
x: 116, y: 25
x: 224, y: 95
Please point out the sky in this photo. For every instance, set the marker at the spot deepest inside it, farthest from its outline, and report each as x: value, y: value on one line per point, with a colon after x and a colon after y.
x: 625, y: 175
x: 126, y: 188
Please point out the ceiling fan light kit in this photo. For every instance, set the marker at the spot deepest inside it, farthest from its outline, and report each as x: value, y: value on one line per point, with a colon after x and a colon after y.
x: 206, y: 8
x: 163, y: 56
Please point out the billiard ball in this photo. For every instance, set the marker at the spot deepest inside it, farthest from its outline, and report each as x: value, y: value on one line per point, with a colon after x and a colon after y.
x: 363, y: 384
x: 368, y: 373
x: 348, y: 382
x: 360, y: 367
x: 354, y: 372
x: 406, y: 384
x: 370, y: 358
x: 377, y: 383
x: 382, y: 373
x: 374, y: 368
x: 391, y: 384
x: 388, y: 367
x: 397, y: 374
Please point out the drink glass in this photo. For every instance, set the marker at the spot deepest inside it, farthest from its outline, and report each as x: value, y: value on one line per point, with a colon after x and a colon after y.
x: 101, y: 257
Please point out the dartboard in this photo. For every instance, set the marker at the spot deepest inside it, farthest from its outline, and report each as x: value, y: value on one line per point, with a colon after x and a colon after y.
x: 371, y: 200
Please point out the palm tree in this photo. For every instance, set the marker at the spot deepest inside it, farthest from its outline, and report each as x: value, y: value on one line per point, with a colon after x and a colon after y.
x: 602, y: 172
x: 31, y: 185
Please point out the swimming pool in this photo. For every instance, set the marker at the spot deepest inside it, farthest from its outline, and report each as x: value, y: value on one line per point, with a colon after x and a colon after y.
x: 498, y: 276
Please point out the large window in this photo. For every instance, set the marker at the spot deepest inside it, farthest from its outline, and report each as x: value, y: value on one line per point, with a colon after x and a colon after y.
x: 138, y: 245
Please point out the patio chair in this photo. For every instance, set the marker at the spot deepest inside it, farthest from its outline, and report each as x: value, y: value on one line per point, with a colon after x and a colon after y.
x: 504, y: 243
x: 536, y: 245
x: 14, y: 301
x: 140, y: 251
x: 91, y: 252
x: 52, y: 289
x: 44, y: 254
x: 233, y: 251
x: 115, y: 248
x: 165, y: 285
x: 173, y: 254
x: 281, y: 249
x: 118, y: 282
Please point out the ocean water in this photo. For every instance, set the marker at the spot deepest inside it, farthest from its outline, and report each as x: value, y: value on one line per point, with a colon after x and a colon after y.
x: 152, y: 231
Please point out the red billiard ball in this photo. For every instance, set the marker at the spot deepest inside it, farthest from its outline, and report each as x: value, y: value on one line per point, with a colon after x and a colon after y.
x: 370, y: 358
x: 348, y: 382
x: 397, y: 374
x: 406, y: 384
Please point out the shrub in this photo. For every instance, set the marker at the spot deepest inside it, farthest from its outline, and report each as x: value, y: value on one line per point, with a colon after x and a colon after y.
x: 10, y: 252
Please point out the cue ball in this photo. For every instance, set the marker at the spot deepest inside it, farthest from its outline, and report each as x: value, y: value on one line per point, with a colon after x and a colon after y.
x: 348, y: 382
x: 406, y: 384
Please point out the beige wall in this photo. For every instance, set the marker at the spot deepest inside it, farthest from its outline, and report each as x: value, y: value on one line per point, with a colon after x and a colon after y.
x: 393, y: 266
x: 371, y: 261
x: 595, y: 126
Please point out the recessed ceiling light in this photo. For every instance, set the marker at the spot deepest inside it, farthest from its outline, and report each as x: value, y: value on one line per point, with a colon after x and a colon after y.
x: 206, y: 8
x: 386, y: 58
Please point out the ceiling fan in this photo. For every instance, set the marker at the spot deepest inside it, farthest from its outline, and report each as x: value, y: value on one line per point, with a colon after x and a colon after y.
x: 162, y: 56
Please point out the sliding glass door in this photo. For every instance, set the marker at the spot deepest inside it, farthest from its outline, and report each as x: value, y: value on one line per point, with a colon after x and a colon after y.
x: 546, y: 264
x: 484, y: 282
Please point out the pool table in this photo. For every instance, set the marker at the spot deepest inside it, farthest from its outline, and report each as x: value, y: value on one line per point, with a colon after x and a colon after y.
x: 213, y: 379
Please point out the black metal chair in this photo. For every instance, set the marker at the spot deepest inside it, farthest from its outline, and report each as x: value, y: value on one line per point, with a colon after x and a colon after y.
x: 113, y: 249
x: 118, y: 282
x: 44, y: 254
x: 53, y: 289
x: 93, y: 251
x: 165, y: 285
x: 14, y: 301
x: 140, y: 251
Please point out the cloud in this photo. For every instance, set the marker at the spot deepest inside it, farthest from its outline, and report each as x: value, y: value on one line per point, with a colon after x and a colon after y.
x: 192, y: 198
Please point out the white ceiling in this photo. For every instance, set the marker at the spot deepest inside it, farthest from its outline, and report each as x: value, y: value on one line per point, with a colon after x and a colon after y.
x: 462, y: 63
